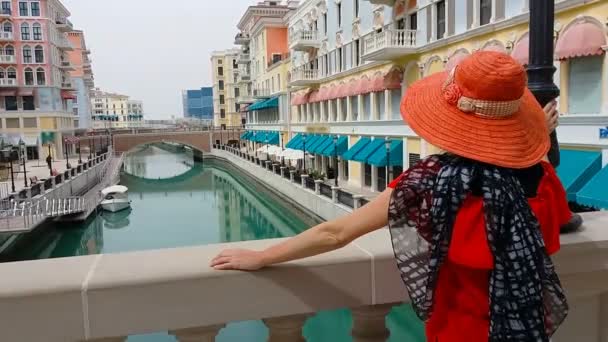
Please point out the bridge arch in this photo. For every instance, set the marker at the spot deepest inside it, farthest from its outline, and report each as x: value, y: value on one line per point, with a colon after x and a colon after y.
x: 198, y: 141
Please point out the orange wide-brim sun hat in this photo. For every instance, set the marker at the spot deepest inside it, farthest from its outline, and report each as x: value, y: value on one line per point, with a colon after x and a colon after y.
x: 481, y: 110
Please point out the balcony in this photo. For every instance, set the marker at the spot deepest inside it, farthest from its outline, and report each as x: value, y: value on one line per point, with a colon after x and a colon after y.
x: 244, y: 77
x: 5, y: 13
x: 301, y: 77
x: 67, y: 86
x: 67, y: 66
x: 245, y: 99
x: 64, y: 44
x: 382, y: 2
x: 389, y: 44
x: 261, y: 93
x: 6, y: 37
x: 242, y: 39
x: 244, y: 58
x: 8, y: 59
x: 8, y: 82
x: 304, y: 40
x: 64, y: 25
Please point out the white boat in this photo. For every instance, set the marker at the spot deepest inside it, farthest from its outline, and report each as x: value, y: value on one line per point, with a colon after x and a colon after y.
x: 115, y: 198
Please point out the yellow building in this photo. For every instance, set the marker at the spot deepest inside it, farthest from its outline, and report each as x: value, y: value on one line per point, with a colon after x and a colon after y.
x: 226, y: 89
x: 353, y: 62
x: 112, y: 110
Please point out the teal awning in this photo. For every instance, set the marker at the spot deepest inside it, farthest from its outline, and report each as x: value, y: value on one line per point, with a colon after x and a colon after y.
x: 308, y: 142
x: 245, y: 136
x: 395, y: 155
x: 577, y: 168
x: 329, y: 140
x: 294, y: 141
x: 320, y: 142
x: 265, y: 104
x: 350, y: 154
x: 341, y: 145
x: 363, y: 155
x: 595, y: 193
x: 257, y: 136
x: 272, y: 138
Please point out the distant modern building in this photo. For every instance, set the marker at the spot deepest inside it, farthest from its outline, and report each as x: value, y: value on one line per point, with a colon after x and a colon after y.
x: 198, y: 104
x: 82, y: 79
x: 112, y: 110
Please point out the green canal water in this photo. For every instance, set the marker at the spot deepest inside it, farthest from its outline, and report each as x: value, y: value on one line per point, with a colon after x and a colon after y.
x: 176, y: 203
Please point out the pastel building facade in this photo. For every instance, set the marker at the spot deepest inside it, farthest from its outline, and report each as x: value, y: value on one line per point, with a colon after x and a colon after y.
x: 35, y: 83
x: 226, y: 89
x: 353, y: 60
x: 112, y: 110
x: 265, y: 62
x: 82, y: 79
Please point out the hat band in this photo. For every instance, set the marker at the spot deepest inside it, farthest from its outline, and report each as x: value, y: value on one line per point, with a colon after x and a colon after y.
x: 486, y: 108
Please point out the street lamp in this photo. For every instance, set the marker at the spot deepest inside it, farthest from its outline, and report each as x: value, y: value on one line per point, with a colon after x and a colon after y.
x: 337, y: 161
x: 51, y: 161
x: 65, y: 149
x: 540, y: 75
x: 255, y: 149
x: 387, y: 143
x: 23, y: 157
x: 79, y: 153
x: 7, y: 156
x: 304, y: 147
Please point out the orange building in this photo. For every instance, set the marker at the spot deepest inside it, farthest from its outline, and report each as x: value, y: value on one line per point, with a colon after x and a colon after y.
x: 82, y: 78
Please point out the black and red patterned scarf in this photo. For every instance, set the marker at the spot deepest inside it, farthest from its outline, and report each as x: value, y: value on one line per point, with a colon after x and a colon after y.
x: 527, y: 302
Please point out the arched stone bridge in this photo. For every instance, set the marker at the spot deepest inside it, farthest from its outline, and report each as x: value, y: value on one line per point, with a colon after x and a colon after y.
x: 198, y: 140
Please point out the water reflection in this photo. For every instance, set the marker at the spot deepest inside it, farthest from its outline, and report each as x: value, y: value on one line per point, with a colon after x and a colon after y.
x: 118, y: 220
x: 143, y: 161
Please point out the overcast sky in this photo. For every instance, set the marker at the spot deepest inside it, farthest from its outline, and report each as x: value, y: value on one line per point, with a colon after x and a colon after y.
x: 151, y: 50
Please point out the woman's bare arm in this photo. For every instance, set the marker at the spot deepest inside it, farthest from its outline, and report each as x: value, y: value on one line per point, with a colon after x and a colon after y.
x: 323, y: 238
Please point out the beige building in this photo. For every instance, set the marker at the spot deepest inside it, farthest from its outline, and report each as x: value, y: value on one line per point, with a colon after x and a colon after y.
x: 225, y: 88
x: 112, y: 110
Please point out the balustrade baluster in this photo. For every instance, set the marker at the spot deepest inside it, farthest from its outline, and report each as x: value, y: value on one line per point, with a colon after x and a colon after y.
x: 202, y: 334
x: 286, y: 329
x: 369, y: 323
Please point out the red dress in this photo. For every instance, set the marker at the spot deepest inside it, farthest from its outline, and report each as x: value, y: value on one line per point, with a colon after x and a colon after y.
x: 461, y: 302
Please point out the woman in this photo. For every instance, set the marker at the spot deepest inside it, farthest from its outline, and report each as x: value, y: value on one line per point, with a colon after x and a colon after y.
x: 472, y: 228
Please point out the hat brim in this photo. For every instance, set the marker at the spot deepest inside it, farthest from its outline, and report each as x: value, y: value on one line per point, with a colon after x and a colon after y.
x: 519, y: 141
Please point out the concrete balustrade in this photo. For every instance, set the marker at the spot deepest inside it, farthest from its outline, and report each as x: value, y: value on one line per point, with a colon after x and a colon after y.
x: 107, y: 297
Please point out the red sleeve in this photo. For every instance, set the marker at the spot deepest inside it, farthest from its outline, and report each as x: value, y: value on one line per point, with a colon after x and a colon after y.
x: 396, y: 181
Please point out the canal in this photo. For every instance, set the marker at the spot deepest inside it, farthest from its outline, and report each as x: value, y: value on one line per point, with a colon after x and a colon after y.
x: 177, y: 202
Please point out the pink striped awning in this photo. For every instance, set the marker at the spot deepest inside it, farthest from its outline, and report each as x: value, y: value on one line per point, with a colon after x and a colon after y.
x: 393, y: 79
x: 314, y: 96
x: 579, y: 40
x: 364, y: 86
x: 521, y: 50
x: 332, y: 92
x: 323, y: 94
x: 295, y: 99
x: 377, y: 83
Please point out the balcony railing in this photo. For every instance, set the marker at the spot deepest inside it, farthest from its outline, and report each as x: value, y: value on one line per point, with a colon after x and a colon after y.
x: 67, y: 85
x: 242, y: 39
x: 8, y: 82
x: 304, y: 76
x: 244, y: 58
x: 389, y: 44
x: 304, y: 40
x: 66, y: 65
x: 6, y: 36
x: 7, y: 59
x: 278, y: 58
x: 64, y: 25
x: 261, y: 92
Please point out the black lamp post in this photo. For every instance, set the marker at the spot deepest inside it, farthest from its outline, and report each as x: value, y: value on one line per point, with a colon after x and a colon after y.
x: 23, y: 158
x: 337, y: 161
x: 540, y: 74
x: 304, y: 147
x: 79, y: 153
x: 91, y: 150
x: 51, y: 163
x: 9, y: 157
x: 65, y: 148
x: 282, y: 150
x: 387, y: 143
x: 255, y: 150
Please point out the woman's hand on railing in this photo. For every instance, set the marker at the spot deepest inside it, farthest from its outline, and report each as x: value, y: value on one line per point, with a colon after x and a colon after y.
x: 238, y: 259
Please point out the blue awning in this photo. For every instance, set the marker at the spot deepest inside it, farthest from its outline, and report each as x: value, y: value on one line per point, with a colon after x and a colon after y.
x: 272, y: 138
x: 396, y: 155
x: 245, y: 135
x: 293, y: 142
x: 595, y: 193
x: 318, y: 144
x: 329, y: 140
x: 342, y: 146
x: 350, y: 154
x: 363, y: 155
x: 310, y: 142
x: 577, y: 168
x: 265, y: 104
x: 259, y: 136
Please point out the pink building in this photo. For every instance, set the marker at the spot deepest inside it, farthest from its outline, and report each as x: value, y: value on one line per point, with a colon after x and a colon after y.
x: 35, y: 85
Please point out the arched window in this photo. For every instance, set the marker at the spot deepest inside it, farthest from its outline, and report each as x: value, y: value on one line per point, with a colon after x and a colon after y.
x: 7, y: 27
x: 40, y: 76
x: 27, y: 54
x: 39, y: 54
x: 25, y: 31
x: 37, y: 31
x: 29, y: 76
x: 11, y: 73
x: 2, y: 73
x: 9, y: 50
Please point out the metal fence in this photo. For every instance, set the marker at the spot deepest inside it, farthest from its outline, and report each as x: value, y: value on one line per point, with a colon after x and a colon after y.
x: 310, y: 183
x: 326, y: 190
x: 346, y: 198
